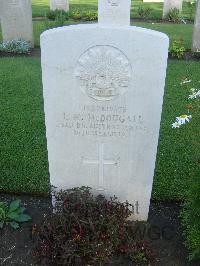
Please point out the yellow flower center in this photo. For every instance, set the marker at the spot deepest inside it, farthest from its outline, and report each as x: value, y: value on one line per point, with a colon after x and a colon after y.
x: 183, y: 116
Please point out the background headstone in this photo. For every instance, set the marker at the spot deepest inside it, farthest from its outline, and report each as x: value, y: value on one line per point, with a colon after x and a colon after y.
x: 170, y: 4
x: 103, y: 102
x: 59, y: 5
x: 196, y: 32
x: 16, y: 20
x: 114, y: 12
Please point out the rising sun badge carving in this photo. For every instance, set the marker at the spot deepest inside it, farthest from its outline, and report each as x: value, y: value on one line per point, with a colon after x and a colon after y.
x: 103, y: 72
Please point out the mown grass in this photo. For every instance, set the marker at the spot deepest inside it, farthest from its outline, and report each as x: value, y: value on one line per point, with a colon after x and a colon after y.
x: 23, y: 159
x: 174, y: 31
x: 178, y: 151
x: 41, y: 7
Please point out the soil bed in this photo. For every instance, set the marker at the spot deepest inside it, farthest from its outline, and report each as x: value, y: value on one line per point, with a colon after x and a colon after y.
x: 34, y: 53
x: 164, y: 234
x: 132, y: 20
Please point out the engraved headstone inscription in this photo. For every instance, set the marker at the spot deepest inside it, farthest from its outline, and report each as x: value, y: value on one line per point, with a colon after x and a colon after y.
x: 59, y: 5
x: 16, y: 20
x: 103, y: 90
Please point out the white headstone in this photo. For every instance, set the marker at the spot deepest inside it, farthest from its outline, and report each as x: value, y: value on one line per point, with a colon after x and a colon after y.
x: 196, y: 32
x: 59, y: 5
x: 16, y: 20
x: 114, y: 12
x: 103, y: 92
x: 171, y: 4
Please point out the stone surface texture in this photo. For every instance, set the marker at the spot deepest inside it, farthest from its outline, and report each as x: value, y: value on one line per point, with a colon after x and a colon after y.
x: 59, y: 5
x: 16, y: 20
x: 114, y: 12
x: 170, y: 4
x: 196, y: 32
x: 103, y: 90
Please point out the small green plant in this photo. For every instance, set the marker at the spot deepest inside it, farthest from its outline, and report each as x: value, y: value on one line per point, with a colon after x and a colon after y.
x: 13, y: 214
x: 177, y: 49
x: 174, y: 15
x: 144, y: 12
x: 53, y: 15
x: 60, y: 18
x: 76, y: 15
x: 15, y: 46
x: 90, y: 16
x: 87, y: 230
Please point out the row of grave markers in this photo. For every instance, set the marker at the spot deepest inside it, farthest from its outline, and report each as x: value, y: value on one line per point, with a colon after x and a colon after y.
x: 168, y: 4
x: 16, y: 18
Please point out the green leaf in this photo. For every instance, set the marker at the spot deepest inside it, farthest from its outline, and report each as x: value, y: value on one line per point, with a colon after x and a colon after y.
x: 23, y: 218
x: 2, y: 214
x: 21, y: 210
x: 12, y: 215
x: 14, y: 225
x: 14, y: 205
x: 2, y: 204
x: 1, y: 224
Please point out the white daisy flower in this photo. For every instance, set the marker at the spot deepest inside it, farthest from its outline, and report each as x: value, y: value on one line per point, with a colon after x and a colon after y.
x: 183, y: 119
x: 186, y: 81
x: 176, y: 125
x: 195, y: 94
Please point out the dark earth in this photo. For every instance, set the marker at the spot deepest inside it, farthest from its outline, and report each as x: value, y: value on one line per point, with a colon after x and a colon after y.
x: 164, y: 234
x: 36, y: 52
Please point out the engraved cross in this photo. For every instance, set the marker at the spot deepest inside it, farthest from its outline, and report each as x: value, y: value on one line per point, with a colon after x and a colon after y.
x: 101, y: 162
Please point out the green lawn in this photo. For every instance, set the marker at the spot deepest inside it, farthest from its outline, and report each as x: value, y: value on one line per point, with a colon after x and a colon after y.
x: 178, y: 152
x: 40, y: 7
x: 174, y: 31
x: 23, y: 159
x: 23, y: 145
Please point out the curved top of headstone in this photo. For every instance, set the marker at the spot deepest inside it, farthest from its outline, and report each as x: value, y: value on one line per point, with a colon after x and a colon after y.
x: 99, y: 26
